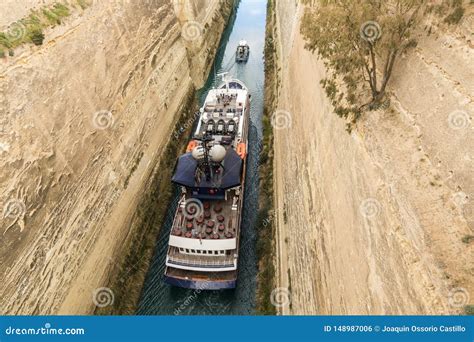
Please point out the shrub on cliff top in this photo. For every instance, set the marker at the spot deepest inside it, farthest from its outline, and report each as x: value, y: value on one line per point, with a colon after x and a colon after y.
x: 469, y: 310
x: 30, y: 28
x: 455, y: 17
x: 83, y: 4
x: 355, y: 40
x: 4, y: 41
x: 37, y: 36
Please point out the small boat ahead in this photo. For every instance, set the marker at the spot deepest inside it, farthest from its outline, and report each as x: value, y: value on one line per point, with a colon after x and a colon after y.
x: 243, y: 51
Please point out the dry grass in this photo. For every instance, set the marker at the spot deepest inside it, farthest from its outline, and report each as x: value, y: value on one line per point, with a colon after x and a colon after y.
x: 265, y: 224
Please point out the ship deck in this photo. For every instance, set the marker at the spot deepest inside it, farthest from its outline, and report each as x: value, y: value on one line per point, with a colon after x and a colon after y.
x: 226, y: 108
x: 211, y: 220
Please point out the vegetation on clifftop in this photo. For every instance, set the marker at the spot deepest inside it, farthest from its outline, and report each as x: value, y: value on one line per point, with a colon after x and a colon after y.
x: 30, y: 29
x: 265, y: 222
x: 359, y: 43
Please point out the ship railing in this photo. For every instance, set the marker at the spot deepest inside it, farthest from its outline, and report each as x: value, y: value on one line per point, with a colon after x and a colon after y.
x: 201, y: 262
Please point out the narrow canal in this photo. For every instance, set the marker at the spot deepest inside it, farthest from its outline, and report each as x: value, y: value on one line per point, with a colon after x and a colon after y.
x: 158, y: 298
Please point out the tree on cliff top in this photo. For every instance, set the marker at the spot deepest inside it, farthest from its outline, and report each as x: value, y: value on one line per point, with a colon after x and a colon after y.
x: 359, y: 42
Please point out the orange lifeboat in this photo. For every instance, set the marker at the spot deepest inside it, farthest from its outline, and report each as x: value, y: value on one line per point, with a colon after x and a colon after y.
x: 241, y: 150
x: 192, y: 144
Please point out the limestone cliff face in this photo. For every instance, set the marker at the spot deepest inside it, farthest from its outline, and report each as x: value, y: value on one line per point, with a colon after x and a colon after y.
x: 83, y: 120
x: 373, y: 222
x: 202, y: 39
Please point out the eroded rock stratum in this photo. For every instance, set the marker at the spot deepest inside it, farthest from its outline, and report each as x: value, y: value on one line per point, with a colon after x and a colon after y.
x: 83, y: 120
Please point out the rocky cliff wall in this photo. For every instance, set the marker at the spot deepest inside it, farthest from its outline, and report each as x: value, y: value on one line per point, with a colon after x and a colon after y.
x: 84, y: 119
x: 375, y: 222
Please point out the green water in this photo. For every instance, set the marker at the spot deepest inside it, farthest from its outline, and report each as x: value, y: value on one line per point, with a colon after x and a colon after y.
x: 247, y: 22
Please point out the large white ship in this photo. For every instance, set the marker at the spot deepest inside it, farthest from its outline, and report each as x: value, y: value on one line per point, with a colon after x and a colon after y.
x: 203, y: 246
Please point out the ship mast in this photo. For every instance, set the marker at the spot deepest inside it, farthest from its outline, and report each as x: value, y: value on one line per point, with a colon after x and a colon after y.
x: 225, y: 78
x: 205, y: 164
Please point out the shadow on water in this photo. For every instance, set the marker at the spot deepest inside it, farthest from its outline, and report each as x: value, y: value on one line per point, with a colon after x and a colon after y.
x: 247, y: 22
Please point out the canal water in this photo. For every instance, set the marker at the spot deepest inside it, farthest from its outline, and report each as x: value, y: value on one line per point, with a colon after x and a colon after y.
x: 158, y: 298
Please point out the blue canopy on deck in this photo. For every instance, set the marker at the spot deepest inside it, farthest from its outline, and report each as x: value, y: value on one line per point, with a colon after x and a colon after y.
x: 185, y: 172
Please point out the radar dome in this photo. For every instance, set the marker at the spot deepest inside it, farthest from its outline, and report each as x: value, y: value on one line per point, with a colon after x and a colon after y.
x: 198, y: 152
x: 217, y: 153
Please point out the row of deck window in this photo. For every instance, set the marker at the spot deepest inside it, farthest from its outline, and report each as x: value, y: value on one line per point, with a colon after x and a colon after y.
x: 201, y: 251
